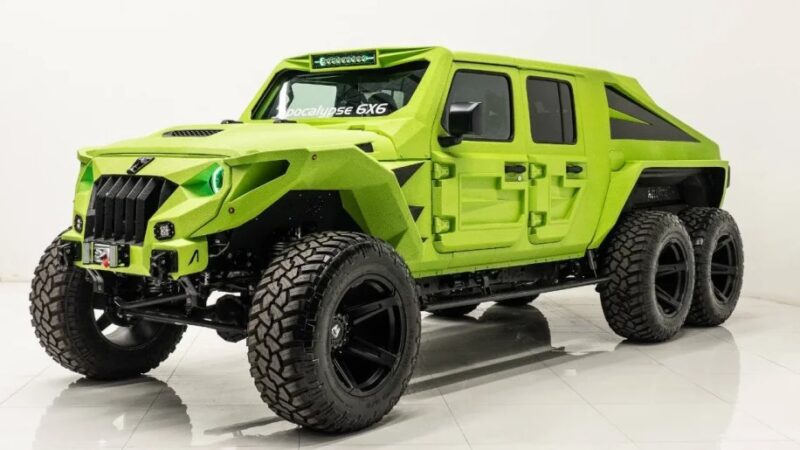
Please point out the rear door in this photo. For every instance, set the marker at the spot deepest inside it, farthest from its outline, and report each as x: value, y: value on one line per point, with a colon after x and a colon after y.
x: 559, y: 168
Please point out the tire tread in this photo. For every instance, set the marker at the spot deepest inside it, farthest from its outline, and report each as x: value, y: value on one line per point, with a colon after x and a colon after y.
x: 624, y: 259
x: 282, y: 364
x: 54, y: 321
x: 698, y: 221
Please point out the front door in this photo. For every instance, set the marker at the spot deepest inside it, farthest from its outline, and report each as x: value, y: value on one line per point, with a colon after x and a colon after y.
x: 480, y: 185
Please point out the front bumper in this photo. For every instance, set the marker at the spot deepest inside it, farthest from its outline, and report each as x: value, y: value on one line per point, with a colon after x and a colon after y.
x: 175, y: 258
x: 190, y: 206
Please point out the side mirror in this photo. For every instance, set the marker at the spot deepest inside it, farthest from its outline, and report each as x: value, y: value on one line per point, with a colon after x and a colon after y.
x: 462, y: 119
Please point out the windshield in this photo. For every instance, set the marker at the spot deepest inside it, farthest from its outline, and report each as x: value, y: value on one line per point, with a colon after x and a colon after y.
x: 355, y: 93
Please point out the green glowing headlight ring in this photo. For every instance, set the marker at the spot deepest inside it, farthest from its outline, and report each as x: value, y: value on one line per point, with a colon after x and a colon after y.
x: 216, y: 179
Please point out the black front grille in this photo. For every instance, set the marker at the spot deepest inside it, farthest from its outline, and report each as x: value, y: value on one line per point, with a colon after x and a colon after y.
x: 121, y: 205
x: 191, y: 133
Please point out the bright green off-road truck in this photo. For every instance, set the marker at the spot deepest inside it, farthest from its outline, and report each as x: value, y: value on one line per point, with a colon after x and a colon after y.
x: 360, y: 188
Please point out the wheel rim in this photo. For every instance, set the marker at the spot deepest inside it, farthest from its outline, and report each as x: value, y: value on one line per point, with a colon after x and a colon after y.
x: 366, y: 334
x: 724, y: 268
x: 672, y: 278
x: 115, y: 329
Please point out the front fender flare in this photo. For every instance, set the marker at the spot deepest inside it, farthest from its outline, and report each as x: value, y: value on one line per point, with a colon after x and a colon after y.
x: 371, y: 192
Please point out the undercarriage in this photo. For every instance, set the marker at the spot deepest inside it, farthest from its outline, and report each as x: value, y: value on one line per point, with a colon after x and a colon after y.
x: 220, y: 297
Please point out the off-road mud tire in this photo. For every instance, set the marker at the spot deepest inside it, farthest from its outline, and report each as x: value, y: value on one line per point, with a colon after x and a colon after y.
x: 60, y: 307
x: 713, y: 304
x: 288, y: 339
x: 630, y: 258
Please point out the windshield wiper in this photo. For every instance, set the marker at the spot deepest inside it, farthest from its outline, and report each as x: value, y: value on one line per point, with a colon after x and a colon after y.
x: 279, y: 120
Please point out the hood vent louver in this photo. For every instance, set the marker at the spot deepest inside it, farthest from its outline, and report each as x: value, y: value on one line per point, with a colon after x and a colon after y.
x: 190, y: 133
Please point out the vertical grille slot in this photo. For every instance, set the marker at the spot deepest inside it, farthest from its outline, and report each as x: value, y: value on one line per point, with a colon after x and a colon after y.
x: 121, y: 206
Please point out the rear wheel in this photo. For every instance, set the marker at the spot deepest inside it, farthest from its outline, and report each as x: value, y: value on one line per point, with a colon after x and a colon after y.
x: 334, y: 331
x: 81, y: 332
x: 719, y: 265
x: 650, y: 264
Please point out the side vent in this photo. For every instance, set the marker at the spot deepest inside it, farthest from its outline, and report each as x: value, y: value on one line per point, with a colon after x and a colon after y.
x: 190, y: 133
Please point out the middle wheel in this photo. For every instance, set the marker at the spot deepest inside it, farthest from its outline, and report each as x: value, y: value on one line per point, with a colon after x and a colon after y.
x: 650, y: 264
x: 334, y: 331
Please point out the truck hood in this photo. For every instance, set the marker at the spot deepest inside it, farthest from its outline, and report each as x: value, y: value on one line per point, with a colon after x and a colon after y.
x: 241, y: 139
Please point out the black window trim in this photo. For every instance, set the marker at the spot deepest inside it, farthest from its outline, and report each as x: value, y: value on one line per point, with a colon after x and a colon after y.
x: 574, y: 114
x: 512, y: 129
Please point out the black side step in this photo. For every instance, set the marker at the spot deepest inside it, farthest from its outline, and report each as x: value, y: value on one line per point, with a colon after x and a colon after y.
x: 474, y: 300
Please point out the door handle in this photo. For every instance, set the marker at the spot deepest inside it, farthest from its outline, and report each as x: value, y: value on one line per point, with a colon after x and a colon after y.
x: 515, y: 168
x: 574, y: 168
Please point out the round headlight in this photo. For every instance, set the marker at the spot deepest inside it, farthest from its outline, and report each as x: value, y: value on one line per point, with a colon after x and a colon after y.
x: 216, y: 179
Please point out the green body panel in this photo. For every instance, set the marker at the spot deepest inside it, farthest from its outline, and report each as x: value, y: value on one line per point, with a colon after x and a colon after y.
x: 471, y: 214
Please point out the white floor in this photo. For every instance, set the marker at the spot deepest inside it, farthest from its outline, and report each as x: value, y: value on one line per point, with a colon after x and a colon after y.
x: 551, y: 376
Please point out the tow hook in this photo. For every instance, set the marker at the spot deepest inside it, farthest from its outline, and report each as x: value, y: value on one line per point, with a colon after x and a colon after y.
x: 68, y: 253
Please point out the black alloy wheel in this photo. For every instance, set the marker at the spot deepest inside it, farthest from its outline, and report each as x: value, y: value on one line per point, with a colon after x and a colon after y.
x: 116, y: 329
x: 334, y: 331
x: 725, y: 263
x: 366, y: 334
x: 671, y: 281
x: 719, y: 253
x: 650, y: 265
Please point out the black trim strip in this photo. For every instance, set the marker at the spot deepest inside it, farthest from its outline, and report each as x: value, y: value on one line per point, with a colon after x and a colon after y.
x: 415, y: 211
x: 655, y: 127
x: 404, y: 173
x: 366, y: 147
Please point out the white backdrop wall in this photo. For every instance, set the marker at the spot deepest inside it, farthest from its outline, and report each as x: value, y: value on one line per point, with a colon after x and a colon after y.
x: 83, y: 73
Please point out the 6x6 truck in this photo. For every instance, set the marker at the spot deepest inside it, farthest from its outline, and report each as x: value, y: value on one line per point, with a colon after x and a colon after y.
x: 360, y: 188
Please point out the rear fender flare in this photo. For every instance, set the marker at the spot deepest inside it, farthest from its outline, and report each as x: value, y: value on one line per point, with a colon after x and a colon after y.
x: 634, y: 175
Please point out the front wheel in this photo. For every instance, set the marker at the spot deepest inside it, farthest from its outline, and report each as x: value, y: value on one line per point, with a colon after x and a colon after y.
x: 79, y: 331
x: 334, y: 331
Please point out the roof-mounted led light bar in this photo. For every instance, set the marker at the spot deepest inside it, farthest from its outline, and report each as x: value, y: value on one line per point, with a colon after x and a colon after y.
x: 350, y: 59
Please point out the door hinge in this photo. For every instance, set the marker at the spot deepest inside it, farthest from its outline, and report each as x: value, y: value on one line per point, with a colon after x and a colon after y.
x: 442, y: 224
x: 536, y: 218
x: 442, y: 171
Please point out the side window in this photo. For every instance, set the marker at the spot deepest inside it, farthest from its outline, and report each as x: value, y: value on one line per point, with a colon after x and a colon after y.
x: 494, y: 93
x: 308, y: 95
x: 552, y: 111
